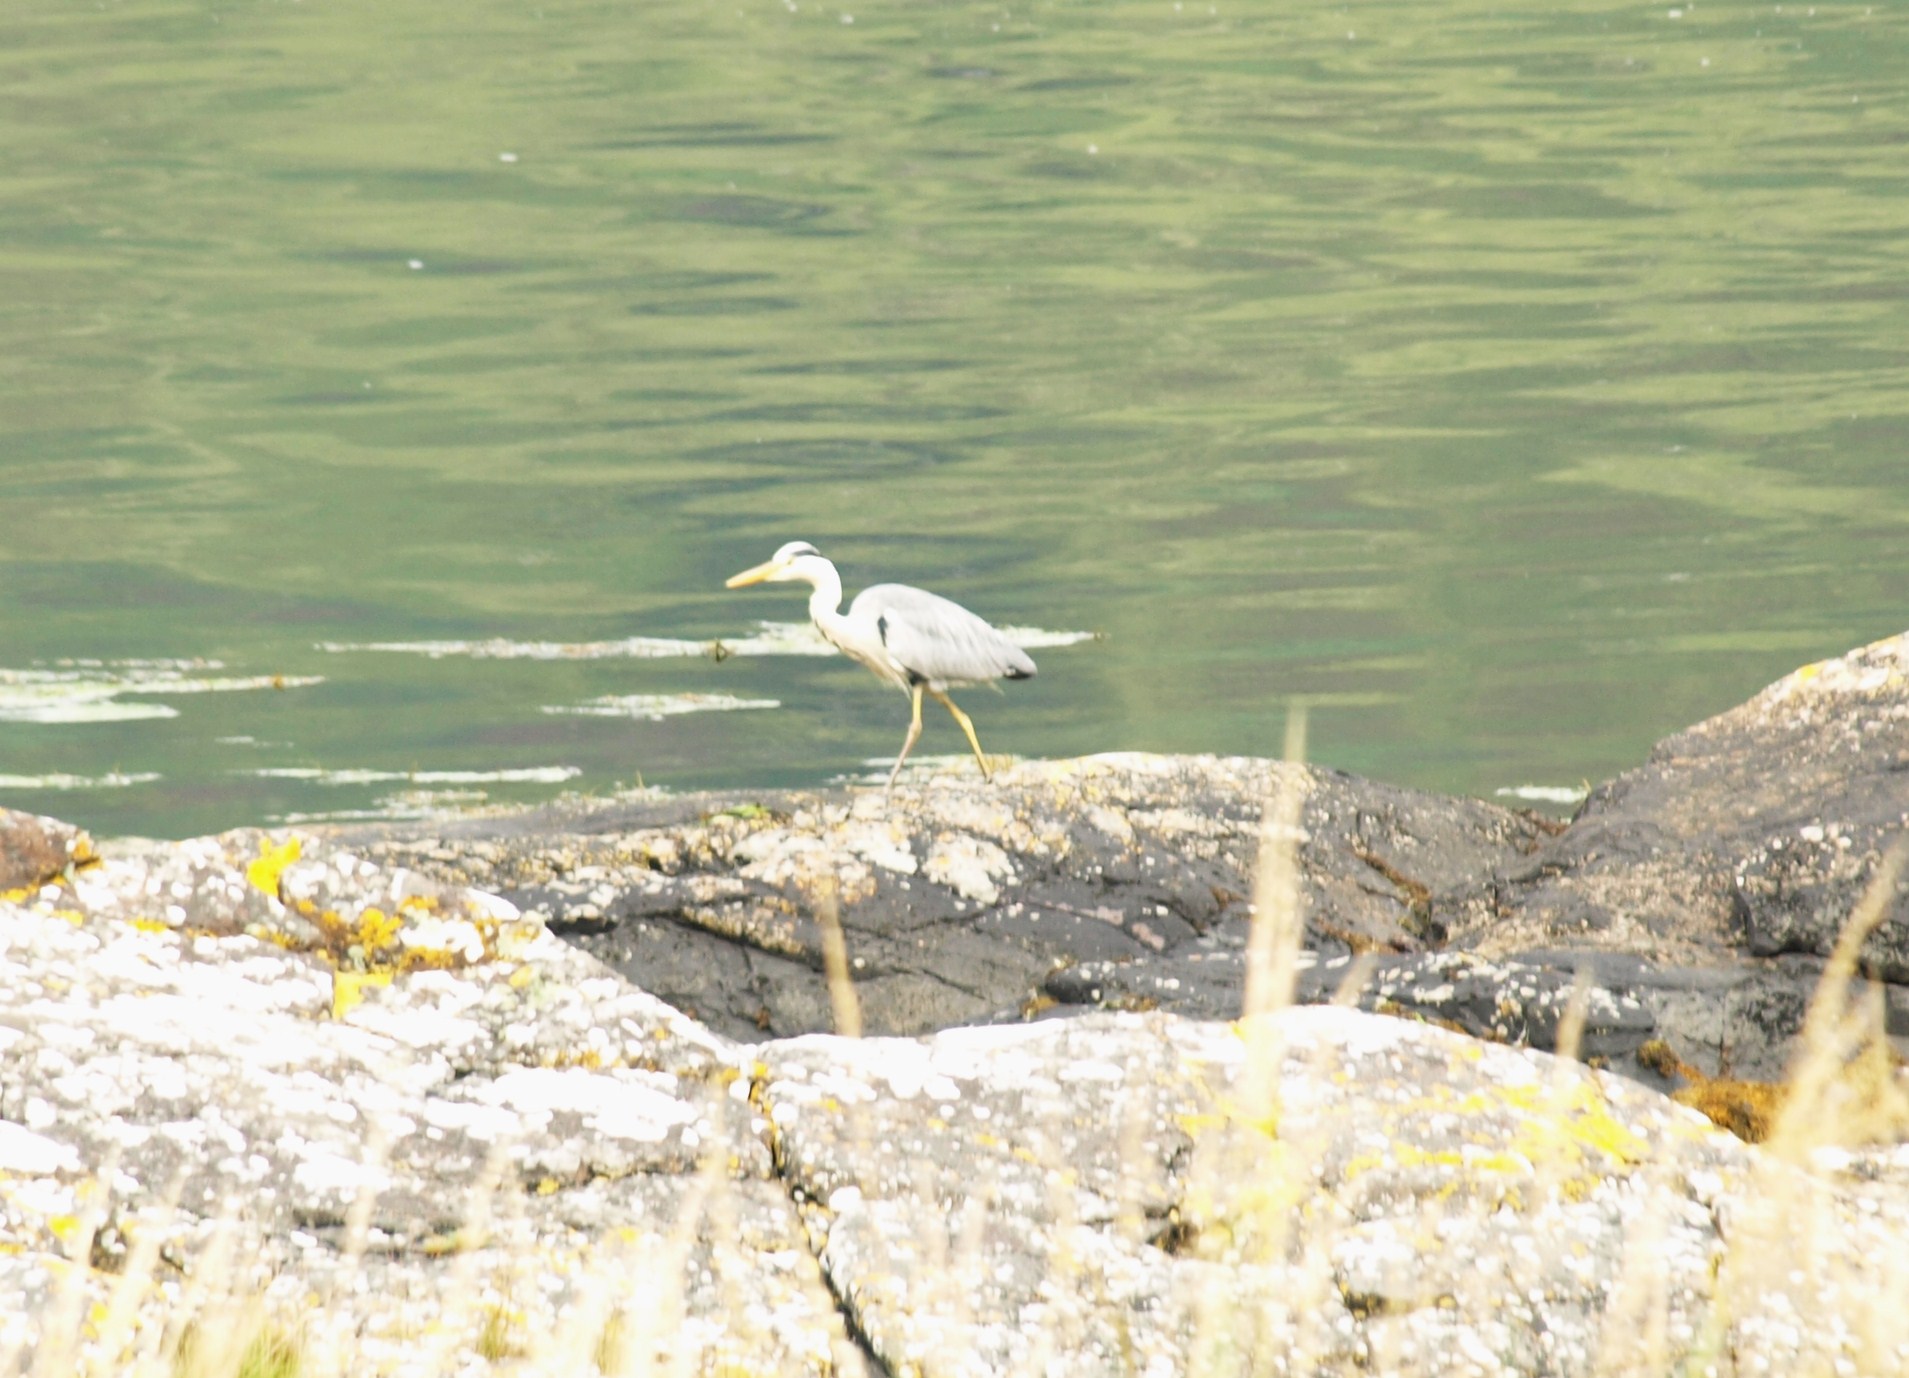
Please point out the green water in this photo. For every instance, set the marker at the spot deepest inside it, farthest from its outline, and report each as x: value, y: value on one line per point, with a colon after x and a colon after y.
x: 1514, y: 383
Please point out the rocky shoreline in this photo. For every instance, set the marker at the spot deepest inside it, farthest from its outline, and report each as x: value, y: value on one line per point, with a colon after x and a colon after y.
x: 549, y: 1088
x: 1697, y: 897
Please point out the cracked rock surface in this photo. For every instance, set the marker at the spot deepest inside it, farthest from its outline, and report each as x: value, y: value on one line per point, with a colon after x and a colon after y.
x: 1112, y: 1195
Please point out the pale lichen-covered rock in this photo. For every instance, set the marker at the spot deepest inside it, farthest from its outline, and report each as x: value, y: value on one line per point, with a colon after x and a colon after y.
x: 1119, y: 1194
x: 455, y: 1144
x: 363, y: 1088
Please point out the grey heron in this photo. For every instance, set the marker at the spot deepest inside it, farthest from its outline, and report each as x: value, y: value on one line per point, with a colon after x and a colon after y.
x: 917, y: 641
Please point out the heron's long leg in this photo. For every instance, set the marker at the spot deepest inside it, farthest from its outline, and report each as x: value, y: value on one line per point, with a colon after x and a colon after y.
x: 966, y: 727
x: 908, y: 742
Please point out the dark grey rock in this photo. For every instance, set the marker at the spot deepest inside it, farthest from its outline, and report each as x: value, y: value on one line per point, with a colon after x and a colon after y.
x: 1794, y: 894
x: 961, y: 900
x: 1754, y: 832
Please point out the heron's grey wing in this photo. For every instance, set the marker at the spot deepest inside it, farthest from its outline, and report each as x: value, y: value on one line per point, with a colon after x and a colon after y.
x: 936, y: 640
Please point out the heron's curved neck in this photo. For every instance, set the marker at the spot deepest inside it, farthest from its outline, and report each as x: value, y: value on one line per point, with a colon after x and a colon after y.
x: 827, y: 595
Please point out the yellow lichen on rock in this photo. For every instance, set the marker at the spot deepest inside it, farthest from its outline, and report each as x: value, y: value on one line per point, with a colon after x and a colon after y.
x: 377, y: 930
x: 1570, y: 1122
x: 264, y: 870
x: 348, y: 989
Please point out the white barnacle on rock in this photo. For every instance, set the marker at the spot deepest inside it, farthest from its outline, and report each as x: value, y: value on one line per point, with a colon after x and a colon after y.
x: 969, y: 866
x: 882, y: 846
x: 68, y: 1038
x: 250, y: 1168
x: 39, y: 1197
x: 327, y: 1174
x: 491, y: 906
x: 772, y: 846
x: 1178, y: 822
x: 600, y: 989
x: 1109, y: 821
x: 625, y: 1104
x: 428, y: 933
x: 782, y: 857
x: 912, y: 1076
x: 28, y: 1154
x: 486, y: 1123
x: 1091, y: 1069
x: 845, y: 1084
x: 305, y: 1096
x: 446, y: 992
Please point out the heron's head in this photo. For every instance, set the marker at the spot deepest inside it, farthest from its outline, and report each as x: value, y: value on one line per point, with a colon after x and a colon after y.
x: 796, y: 560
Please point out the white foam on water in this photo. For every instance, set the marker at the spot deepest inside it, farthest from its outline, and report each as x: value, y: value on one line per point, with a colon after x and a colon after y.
x: 75, y: 708
x: 411, y: 805
x: 1544, y: 794
x: 919, y: 762
x: 529, y: 775
x: 59, y: 780
x: 918, y: 767
x: 499, y: 648
x: 769, y: 639
x: 656, y: 707
x: 780, y: 639
x: 1034, y: 638
x: 78, y: 691
x: 88, y: 663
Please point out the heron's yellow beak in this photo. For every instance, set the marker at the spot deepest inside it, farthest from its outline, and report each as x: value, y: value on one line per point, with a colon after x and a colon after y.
x: 751, y: 576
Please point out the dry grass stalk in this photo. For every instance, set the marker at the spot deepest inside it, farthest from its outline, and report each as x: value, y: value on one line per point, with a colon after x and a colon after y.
x: 1272, y: 947
x: 117, y: 1337
x: 1279, y: 923
x: 844, y: 1004
x: 1358, y: 976
x: 1842, y: 1091
x: 1247, y: 1183
x: 58, y: 1351
x: 1842, y: 1087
